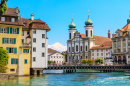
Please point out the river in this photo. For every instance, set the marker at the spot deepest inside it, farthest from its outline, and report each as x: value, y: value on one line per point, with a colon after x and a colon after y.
x: 70, y: 79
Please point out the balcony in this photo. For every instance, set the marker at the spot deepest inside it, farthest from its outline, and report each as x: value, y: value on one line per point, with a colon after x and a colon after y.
x: 25, y: 45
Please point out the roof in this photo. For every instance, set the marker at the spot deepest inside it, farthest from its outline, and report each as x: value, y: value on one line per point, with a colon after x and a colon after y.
x: 35, y: 24
x: 105, y: 45
x: 98, y: 39
x: 11, y: 12
x: 52, y: 51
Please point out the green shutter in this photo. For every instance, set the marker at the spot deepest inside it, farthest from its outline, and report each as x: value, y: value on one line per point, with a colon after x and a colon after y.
x: 8, y: 30
x: 0, y: 29
x: 7, y: 62
x: 12, y: 61
x: 11, y: 30
x: 23, y: 50
x: 15, y: 50
x: 17, y: 30
x: 25, y: 61
x: 28, y: 50
x: 1, y: 47
x: 16, y: 61
x: 7, y: 48
x: 14, y: 40
x: 3, y: 40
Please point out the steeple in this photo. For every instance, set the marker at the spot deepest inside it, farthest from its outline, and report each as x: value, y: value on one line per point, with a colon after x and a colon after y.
x: 72, y: 25
x: 128, y: 20
x: 88, y: 22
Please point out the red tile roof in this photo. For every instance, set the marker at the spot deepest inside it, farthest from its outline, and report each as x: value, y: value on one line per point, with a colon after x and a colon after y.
x: 52, y: 51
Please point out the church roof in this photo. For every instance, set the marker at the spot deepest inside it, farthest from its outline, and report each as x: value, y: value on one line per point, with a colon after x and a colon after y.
x: 105, y: 45
x: 52, y: 51
x: 98, y: 39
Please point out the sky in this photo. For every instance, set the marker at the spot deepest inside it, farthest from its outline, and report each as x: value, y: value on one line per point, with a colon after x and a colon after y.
x: 105, y: 15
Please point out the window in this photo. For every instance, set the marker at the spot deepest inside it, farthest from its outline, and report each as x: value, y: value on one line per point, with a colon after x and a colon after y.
x: 76, y: 47
x: 106, y: 49
x: 9, y: 40
x: 81, y: 48
x: 118, y: 34
x: 115, y: 51
x: 14, y: 31
x: 92, y: 50
x: 25, y: 61
x: 14, y: 61
x: 43, y: 35
x: 34, y: 40
x: 101, y: 54
x: 43, y: 44
x: 27, y: 32
x: 86, y: 33
x: 12, y: 69
x: 91, y: 33
x: 69, y: 35
x: 97, y: 50
x: 25, y: 50
x: 12, y: 19
x: 128, y: 43
x: 4, y: 29
x: 92, y: 54
x: 72, y: 49
x: 106, y: 54
x: 22, y: 33
x: 22, y: 40
x: 124, y: 39
x: 42, y: 54
x: 81, y: 57
x: 128, y: 57
x: 124, y: 44
x: 86, y: 48
x: 101, y: 50
x: 69, y: 49
x: 86, y: 57
x: 114, y: 45
x: 34, y: 31
x: 34, y: 59
x: 97, y: 54
x: 124, y: 50
x: 128, y: 38
x: 11, y: 50
x: 2, y: 18
x: 118, y: 45
x: 34, y: 49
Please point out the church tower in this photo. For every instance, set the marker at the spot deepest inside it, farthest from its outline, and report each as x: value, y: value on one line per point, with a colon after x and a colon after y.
x: 72, y: 30
x: 88, y: 28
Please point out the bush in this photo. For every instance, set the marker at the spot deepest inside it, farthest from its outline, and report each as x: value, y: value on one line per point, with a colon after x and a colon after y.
x: 99, y: 60
x: 49, y: 61
x: 84, y: 61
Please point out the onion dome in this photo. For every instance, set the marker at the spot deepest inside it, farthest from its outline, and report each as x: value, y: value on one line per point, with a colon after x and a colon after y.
x: 72, y: 25
x: 128, y: 20
x: 88, y: 22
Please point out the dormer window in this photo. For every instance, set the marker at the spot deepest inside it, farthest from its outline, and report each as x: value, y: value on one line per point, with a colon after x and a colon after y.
x: 118, y: 34
x: 12, y: 19
x: 2, y: 18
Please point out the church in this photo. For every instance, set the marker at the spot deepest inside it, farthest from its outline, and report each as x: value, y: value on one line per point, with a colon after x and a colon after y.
x: 80, y: 46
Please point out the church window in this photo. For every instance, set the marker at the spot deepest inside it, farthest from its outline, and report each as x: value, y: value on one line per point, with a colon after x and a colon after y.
x: 81, y: 48
x: 91, y: 33
x: 76, y: 47
x: 86, y: 33
x: 69, y: 49
x: 86, y: 48
x: 70, y: 35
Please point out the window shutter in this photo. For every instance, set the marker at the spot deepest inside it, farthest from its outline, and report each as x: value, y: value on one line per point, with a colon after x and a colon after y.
x: 25, y: 61
x: 7, y: 48
x: 1, y: 47
x: 16, y: 61
x: 14, y: 40
x: 23, y: 50
x: 0, y: 29
x: 11, y: 30
x: 15, y: 50
x: 3, y: 40
x: 8, y: 30
x: 12, y: 61
x: 7, y: 62
x: 28, y: 50
x: 17, y: 30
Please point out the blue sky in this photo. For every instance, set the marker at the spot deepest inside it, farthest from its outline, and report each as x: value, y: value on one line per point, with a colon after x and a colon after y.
x: 105, y: 14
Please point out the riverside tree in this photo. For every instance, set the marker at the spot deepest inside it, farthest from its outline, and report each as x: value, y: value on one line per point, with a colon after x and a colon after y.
x: 99, y: 60
x: 3, y: 60
x: 3, y: 7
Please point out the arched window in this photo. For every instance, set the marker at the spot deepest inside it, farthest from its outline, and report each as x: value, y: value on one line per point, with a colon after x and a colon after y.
x: 76, y: 47
x: 70, y: 35
x: 86, y: 33
x: 69, y: 49
x: 86, y: 48
x: 91, y: 33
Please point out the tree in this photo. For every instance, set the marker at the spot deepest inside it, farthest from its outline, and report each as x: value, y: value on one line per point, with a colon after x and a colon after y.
x: 49, y: 61
x: 99, y: 60
x: 89, y: 61
x: 84, y: 61
x: 3, y: 60
x: 64, y: 54
x: 3, y: 7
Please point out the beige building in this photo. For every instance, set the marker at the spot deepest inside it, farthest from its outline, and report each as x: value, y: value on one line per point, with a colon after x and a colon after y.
x: 79, y: 45
x: 121, y: 44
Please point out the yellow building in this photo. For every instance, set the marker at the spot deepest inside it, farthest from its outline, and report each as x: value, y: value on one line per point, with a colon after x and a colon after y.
x: 10, y: 39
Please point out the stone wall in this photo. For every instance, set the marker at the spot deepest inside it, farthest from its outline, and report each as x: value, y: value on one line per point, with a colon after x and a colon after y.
x: 7, y: 75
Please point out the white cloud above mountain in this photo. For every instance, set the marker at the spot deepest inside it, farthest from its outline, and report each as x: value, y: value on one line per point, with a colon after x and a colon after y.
x: 57, y: 46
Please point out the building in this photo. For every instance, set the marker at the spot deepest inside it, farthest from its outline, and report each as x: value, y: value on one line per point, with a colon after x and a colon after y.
x: 79, y: 45
x: 55, y: 56
x: 10, y: 39
x: 121, y: 44
x: 34, y: 33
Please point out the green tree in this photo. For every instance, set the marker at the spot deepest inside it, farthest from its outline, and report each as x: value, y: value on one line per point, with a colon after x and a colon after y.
x: 3, y: 7
x: 99, y: 60
x: 49, y: 61
x: 89, y: 61
x: 64, y: 54
x: 84, y: 61
x: 3, y: 60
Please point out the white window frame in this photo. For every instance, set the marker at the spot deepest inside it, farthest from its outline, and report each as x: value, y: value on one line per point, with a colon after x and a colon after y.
x: 14, y: 30
x: 3, y: 29
x: 12, y: 50
x: 12, y: 19
x: 9, y: 41
x: 2, y: 18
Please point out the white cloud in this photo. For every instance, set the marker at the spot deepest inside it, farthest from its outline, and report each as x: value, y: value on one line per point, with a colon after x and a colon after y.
x: 57, y: 46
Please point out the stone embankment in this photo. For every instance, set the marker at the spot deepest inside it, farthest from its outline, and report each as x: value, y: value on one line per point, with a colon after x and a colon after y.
x: 7, y: 75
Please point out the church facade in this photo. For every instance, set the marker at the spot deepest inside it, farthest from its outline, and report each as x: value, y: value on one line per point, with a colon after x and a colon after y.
x: 79, y: 45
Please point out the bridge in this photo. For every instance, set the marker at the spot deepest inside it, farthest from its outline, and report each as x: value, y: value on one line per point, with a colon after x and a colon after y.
x: 70, y: 69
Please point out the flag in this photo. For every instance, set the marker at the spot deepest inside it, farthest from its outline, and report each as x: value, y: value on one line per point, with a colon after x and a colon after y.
x: 108, y: 52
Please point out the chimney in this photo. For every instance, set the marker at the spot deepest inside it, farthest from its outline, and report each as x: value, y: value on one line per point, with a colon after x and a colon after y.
x: 17, y: 10
x: 109, y: 34
x: 32, y: 17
